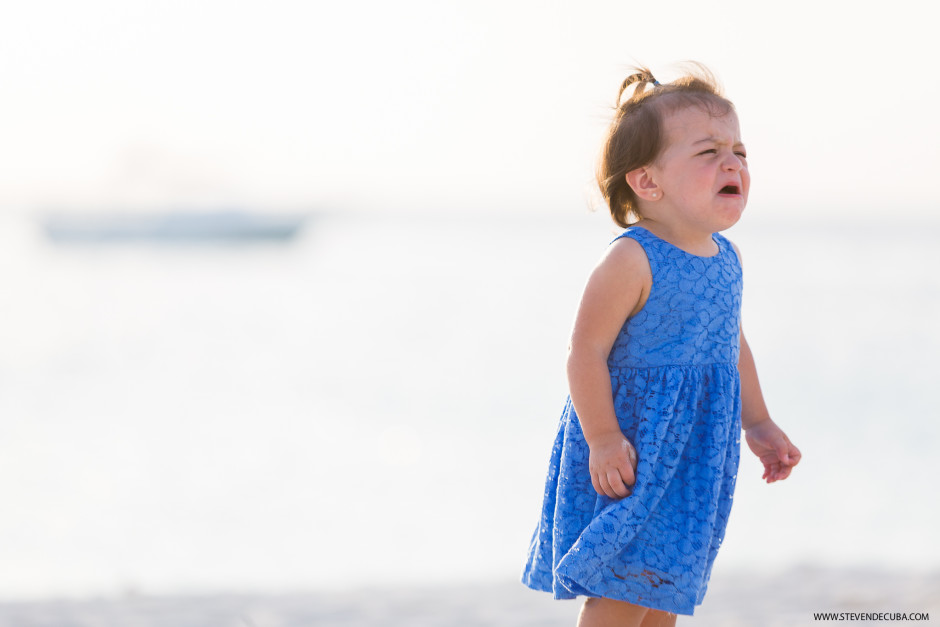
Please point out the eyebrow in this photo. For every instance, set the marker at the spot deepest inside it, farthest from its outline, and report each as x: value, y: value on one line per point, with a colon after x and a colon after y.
x: 715, y: 140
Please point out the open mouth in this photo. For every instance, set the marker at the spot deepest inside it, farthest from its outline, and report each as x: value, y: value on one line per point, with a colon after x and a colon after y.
x: 730, y: 189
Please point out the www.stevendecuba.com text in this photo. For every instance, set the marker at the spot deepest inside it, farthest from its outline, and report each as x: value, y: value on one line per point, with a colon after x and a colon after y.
x: 873, y: 616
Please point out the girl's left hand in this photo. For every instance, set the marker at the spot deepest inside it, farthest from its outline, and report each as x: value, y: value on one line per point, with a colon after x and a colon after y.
x: 774, y: 449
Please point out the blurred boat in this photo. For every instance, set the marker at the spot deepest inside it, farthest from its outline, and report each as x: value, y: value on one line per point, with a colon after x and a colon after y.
x: 173, y: 226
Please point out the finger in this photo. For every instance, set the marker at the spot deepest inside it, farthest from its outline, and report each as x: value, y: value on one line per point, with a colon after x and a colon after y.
x: 771, y: 472
x: 782, y: 448
x: 605, y: 486
x: 769, y: 458
x: 795, y: 455
x: 597, y: 485
x: 632, y: 454
x: 616, y: 483
x: 627, y: 473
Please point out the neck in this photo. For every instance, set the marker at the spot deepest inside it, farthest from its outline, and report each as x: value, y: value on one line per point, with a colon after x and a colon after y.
x: 690, y: 240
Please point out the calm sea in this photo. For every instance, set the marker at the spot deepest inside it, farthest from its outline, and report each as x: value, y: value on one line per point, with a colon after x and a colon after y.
x: 374, y: 402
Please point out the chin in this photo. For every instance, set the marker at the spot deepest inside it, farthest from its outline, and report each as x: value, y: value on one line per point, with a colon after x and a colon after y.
x: 729, y: 218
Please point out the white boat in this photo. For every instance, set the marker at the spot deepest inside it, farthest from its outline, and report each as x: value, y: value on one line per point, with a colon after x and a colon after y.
x: 171, y: 226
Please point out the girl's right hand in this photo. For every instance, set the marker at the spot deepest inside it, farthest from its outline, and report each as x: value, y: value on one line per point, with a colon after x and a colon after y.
x: 612, y: 464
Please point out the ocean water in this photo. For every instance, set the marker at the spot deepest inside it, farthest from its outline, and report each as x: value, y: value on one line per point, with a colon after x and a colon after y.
x: 374, y: 403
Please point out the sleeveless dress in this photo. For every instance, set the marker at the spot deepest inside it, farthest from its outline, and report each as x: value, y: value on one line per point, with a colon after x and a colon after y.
x: 676, y: 393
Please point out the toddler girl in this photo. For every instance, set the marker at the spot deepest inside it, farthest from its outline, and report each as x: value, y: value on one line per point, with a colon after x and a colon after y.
x: 661, y: 378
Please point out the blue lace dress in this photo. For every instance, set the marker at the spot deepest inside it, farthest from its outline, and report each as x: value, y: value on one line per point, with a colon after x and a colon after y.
x: 676, y: 392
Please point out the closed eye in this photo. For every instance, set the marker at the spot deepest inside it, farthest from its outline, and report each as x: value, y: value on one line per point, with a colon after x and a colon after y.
x: 743, y: 155
x: 711, y: 151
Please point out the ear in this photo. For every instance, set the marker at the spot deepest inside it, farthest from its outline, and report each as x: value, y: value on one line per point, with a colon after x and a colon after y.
x: 642, y: 183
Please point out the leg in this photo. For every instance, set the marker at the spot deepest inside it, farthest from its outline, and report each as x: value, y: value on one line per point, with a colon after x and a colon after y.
x: 658, y: 618
x: 600, y: 612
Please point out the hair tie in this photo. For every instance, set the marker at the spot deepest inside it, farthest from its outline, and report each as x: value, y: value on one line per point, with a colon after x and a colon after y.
x: 655, y: 83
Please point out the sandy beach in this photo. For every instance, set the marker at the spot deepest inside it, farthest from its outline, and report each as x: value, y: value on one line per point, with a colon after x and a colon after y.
x: 736, y: 599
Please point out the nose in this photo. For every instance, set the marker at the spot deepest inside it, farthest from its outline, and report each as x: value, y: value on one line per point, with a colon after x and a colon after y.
x: 733, y: 162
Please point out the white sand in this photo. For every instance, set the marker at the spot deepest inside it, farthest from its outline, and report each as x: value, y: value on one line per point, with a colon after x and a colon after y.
x: 792, y: 598
x: 745, y: 599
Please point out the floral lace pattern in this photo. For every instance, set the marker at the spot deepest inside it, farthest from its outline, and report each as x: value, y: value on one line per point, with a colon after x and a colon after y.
x: 676, y: 393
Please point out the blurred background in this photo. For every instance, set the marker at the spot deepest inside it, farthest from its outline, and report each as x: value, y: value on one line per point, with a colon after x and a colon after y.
x: 286, y: 286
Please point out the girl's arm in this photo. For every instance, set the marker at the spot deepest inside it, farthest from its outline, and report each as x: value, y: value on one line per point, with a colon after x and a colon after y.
x: 753, y: 408
x: 763, y: 436
x: 616, y: 290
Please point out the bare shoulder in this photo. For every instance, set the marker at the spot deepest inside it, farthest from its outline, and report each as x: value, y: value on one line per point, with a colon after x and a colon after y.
x: 626, y: 256
x: 621, y: 281
x: 616, y: 290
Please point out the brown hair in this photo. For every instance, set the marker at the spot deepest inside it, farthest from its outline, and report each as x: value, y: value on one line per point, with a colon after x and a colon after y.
x: 636, y: 138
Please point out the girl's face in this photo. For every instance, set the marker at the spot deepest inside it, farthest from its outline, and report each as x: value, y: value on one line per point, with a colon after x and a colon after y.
x: 702, y: 173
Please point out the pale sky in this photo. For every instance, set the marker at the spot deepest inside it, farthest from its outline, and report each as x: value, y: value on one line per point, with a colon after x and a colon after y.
x: 442, y: 105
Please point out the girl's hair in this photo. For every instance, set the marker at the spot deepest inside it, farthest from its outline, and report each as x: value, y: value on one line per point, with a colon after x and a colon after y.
x: 636, y: 137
